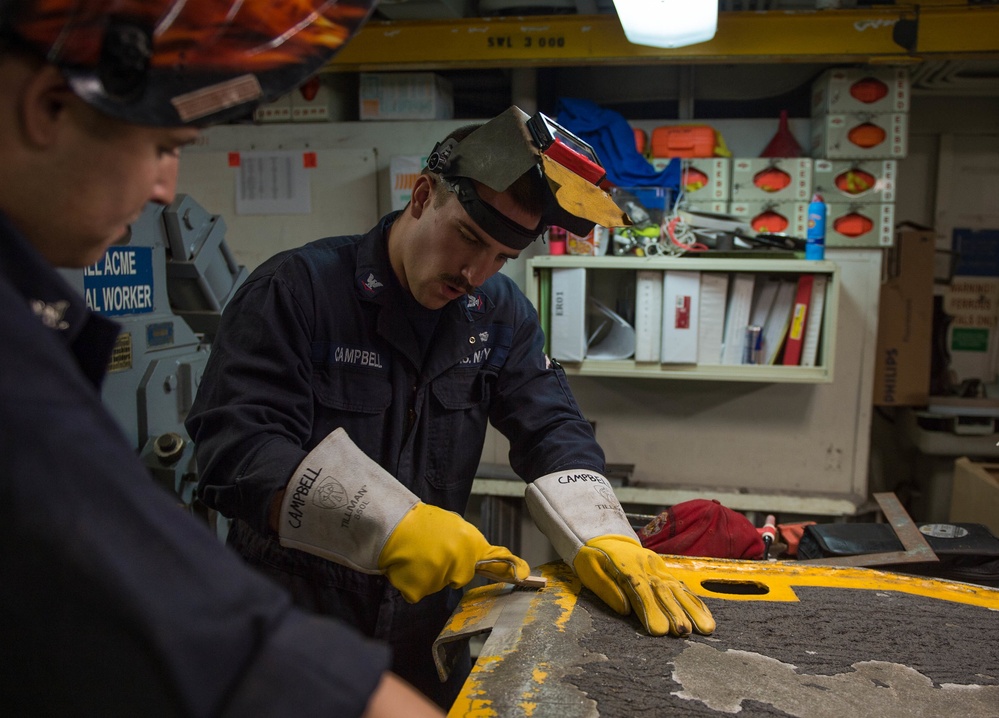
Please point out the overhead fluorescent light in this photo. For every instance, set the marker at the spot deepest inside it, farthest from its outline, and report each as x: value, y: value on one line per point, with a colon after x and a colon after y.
x: 668, y: 23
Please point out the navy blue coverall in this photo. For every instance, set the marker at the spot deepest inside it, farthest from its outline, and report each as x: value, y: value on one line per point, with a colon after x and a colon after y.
x: 114, y: 601
x: 324, y: 336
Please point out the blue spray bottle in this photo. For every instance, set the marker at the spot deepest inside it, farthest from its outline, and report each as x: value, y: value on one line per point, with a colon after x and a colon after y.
x: 815, y: 246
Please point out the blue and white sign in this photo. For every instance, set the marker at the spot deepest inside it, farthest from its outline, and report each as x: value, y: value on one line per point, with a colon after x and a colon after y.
x: 121, y: 283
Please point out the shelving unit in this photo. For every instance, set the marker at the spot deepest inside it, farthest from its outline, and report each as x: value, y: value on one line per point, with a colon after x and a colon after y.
x: 820, y: 374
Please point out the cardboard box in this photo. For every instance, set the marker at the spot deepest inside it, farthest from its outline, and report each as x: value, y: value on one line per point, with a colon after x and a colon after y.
x: 863, y: 89
x: 975, y: 494
x: 860, y: 135
x: 905, y: 321
x: 854, y: 180
x: 403, y: 171
x: 774, y: 179
x: 405, y: 96
x: 773, y: 217
x: 702, y: 180
x: 860, y: 224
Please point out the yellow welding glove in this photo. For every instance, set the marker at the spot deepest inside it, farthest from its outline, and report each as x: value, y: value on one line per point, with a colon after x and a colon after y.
x: 626, y: 576
x: 581, y: 516
x: 341, y: 505
x: 432, y: 548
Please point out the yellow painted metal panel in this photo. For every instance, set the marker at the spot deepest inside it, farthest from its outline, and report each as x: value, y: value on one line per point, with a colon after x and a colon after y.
x: 855, y: 35
x: 958, y: 31
x: 511, y: 676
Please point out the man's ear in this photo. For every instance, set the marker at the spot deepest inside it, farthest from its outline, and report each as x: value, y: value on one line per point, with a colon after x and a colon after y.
x: 422, y: 195
x: 45, y: 96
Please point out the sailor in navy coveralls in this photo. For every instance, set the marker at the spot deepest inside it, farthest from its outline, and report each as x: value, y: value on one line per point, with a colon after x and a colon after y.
x: 343, y: 411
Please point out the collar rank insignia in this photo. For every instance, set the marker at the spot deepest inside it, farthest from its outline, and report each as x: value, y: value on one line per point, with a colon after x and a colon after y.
x: 371, y: 284
x: 475, y: 303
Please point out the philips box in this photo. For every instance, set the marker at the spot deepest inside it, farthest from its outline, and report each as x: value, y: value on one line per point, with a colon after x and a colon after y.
x: 905, y: 321
x: 405, y: 96
x: 774, y: 179
x: 855, y: 180
x: 872, y: 89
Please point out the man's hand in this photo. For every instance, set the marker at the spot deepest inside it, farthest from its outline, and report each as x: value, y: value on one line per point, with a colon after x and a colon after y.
x: 627, y: 576
x: 341, y: 505
x: 432, y: 548
x: 580, y: 514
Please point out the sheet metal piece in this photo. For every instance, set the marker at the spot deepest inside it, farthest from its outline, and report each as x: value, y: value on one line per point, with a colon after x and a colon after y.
x: 917, y: 550
x: 561, y: 653
x: 481, y: 611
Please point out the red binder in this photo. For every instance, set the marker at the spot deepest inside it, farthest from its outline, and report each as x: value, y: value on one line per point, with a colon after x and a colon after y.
x: 799, y: 320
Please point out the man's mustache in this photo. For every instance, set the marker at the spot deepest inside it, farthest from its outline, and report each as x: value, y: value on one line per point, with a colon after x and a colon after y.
x: 456, y: 281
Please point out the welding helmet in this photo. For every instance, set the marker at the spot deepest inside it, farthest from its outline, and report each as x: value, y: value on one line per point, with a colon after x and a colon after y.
x: 180, y: 62
x: 511, y: 145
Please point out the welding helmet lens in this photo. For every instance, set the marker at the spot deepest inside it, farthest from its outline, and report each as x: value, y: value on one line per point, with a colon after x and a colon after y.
x: 508, y: 146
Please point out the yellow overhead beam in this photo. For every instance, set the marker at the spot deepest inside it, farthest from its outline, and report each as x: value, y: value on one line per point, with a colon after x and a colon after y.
x: 844, y: 36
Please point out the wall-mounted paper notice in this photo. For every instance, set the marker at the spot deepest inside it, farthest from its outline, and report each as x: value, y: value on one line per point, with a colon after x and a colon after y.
x: 273, y: 183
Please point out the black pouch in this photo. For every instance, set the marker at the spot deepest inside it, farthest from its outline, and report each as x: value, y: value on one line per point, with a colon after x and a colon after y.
x: 967, y: 552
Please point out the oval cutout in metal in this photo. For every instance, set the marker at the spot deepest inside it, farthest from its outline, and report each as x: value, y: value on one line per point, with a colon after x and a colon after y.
x: 737, y: 588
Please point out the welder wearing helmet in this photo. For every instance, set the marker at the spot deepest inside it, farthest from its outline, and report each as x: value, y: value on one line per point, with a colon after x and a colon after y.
x: 114, y: 601
x: 342, y: 414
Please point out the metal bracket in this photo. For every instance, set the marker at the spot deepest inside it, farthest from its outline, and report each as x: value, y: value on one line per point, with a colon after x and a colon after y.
x: 917, y: 550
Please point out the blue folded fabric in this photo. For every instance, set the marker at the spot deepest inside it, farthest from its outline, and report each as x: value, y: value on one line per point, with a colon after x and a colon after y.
x: 613, y: 139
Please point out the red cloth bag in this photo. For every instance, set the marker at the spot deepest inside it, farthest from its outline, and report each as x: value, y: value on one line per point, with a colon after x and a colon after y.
x: 702, y: 527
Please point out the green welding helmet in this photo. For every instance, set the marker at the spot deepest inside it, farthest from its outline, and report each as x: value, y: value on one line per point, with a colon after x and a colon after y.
x: 511, y: 145
x: 182, y: 62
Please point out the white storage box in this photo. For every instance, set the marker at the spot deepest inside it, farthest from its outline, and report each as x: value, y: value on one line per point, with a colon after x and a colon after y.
x: 774, y: 179
x: 860, y: 224
x: 405, y: 96
x: 773, y: 217
x: 860, y: 136
x: 702, y: 179
x: 871, y: 89
x: 853, y: 180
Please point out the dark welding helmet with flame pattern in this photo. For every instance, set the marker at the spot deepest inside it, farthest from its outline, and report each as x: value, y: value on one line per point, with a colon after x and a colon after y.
x: 182, y: 62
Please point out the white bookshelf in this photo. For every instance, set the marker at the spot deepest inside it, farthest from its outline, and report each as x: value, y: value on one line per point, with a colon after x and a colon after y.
x: 821, y: 373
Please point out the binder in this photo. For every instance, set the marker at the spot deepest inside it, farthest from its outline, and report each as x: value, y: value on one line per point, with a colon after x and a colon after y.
x: 799, y: 320
x: 737, y: 315
x: 763, y: 300
x: 568, y: 314
x: 544, y: 309
x: 810, y: 344
x: 778, y: 321
x: 681, y: 303
x: 711, y: 317
x: 648, y: 314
